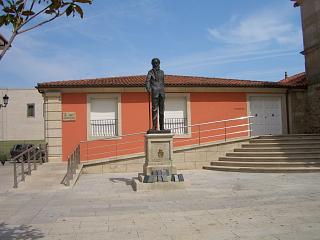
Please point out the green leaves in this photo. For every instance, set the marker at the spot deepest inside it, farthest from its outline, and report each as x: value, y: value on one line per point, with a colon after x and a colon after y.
x: 79, y: 10
x: 19, y: 12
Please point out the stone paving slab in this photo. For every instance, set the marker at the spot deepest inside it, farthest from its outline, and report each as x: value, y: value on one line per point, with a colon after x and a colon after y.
x: 6, y: 177
x: 216, y: 205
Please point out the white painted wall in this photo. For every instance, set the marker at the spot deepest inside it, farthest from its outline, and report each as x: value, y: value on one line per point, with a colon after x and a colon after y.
x: 14, y: 123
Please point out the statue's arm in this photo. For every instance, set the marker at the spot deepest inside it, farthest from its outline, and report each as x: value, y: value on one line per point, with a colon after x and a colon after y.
x: 147, y: 84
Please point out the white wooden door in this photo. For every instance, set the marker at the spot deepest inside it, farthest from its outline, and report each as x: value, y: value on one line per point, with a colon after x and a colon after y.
x: 268, y: 115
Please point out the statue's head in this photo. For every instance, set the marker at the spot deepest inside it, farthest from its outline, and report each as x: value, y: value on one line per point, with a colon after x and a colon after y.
x: 155, y: 63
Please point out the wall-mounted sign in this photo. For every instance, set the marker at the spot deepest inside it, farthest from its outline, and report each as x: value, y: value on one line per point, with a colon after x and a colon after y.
x: 69, y: 116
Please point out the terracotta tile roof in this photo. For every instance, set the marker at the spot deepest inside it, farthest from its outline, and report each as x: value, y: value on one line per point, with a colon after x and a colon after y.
x: 298, y: 80
x: 174, y: 81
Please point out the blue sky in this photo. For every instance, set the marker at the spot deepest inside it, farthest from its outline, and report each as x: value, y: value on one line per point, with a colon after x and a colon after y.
x: 248, y: 39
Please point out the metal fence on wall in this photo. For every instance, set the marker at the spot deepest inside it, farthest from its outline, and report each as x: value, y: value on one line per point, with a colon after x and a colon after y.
x: 176, y: 125
x: 104, y: 127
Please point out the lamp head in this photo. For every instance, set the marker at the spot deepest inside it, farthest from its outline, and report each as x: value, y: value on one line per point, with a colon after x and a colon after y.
x: 5, y: 100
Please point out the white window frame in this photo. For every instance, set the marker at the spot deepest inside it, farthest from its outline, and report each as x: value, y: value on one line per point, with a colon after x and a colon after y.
x: 116, y: 96
x: 188, y: 113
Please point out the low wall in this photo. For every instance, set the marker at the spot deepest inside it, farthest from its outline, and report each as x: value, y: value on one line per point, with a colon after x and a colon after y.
x: 184, y: 158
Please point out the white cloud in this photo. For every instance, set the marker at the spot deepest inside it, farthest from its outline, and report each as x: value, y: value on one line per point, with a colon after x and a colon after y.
x: 264, y: 26
x: 226, y: 56
x: 27, y: 63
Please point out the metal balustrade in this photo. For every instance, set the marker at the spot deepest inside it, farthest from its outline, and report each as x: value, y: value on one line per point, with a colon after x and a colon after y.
x: 104, y: 127
x: 73, y: 165
x: 197, y: 134
x: 31, y: 156
x: 176, y: 125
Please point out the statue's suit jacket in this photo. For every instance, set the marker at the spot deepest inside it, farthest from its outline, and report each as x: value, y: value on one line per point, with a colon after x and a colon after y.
x: 155, y: 83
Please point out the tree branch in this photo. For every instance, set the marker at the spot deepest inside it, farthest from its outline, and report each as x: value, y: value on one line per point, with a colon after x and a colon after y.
x: 8, y: 45
x: 30, y: 19
x: 41, y: 23
x: 31, y: 7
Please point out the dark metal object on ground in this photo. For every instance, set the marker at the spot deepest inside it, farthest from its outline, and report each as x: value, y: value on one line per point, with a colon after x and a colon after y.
x: 177, y: 178
x: 157, y: 176
x: 181, y: 178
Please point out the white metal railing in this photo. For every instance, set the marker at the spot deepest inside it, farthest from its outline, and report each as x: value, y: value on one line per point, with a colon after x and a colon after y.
x: 198, y: 133
x: 176, y: 125
x: 104, y: 127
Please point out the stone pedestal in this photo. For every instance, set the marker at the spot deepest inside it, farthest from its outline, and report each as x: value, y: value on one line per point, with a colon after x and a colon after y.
x: 158, y: 169
x: 159, y: 153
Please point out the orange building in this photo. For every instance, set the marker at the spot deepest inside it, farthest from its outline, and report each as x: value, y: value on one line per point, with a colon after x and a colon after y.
x: 108, y: 117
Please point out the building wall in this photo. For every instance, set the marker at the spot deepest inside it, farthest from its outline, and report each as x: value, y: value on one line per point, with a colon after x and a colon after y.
x: 14, y: 123
x: 310, y: 14
x: 53, y: 125
x: 297, y: 109
x: 134, y: 117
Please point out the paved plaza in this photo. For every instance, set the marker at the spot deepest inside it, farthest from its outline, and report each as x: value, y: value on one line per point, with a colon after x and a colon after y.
x: 215, y: 205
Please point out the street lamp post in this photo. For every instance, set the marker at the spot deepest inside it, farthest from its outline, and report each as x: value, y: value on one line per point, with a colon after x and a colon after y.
x: 5, y: 101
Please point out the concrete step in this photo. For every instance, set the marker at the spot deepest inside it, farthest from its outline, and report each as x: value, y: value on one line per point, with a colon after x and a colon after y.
x: 297, y: 136
x: 264, y: 169
x: 285, y: 140
x: 271, y: 159
x: 282, y: 145
x: 266, y: 164
x: 315, y: 154
x: 279, y: 149
x: 285, y: 153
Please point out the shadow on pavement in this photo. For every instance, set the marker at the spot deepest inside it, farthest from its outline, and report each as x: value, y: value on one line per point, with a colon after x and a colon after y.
x: 10, y: 232
x: 127, y: 181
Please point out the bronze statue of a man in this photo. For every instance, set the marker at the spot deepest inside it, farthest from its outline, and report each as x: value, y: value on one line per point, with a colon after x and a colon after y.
x: 155, y: 85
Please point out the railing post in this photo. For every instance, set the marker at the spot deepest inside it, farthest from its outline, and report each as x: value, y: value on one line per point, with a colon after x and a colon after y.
x: 15, y: 180
x: 250, y: 127
x: 225, y: 131
x: 29, y: 164
x: 199, y: 139
x: 77, y: 156
x: 22, y: 169
x: 34, y: 160
x: 73, y: 164
x: 40, y: 156
x: 68, y: 173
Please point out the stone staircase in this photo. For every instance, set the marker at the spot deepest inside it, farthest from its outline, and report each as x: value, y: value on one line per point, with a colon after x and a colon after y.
x: 285, y: 153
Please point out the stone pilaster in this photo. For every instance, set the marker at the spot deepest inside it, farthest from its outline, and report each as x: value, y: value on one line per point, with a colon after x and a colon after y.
x: 53, y: 125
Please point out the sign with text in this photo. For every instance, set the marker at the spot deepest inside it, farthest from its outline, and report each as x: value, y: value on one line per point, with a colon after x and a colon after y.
x: 69, y: 116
